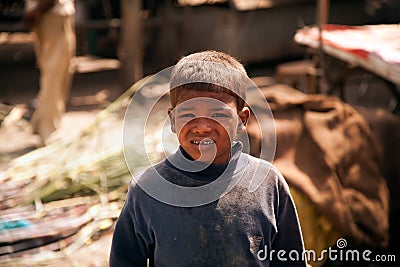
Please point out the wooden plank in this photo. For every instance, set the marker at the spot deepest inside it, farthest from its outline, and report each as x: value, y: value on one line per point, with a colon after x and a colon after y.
x: 131, y: 42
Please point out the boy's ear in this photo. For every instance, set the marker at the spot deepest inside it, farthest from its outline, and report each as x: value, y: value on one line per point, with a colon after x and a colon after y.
x: 244, y: 116
x: 171, y: 115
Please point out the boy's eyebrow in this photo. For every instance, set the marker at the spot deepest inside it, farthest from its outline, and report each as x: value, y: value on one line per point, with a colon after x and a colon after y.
x: 184, y: 108
x: 220, y: 108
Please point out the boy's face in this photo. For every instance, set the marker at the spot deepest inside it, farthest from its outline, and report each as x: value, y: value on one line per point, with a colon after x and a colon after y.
x: 206, y: 123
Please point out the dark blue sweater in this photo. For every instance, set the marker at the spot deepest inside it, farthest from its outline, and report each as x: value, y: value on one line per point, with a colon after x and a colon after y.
x: 251, y: 219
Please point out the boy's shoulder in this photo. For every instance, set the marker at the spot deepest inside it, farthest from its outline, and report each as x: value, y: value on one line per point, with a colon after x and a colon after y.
x: 145, y: 181
x: 264, y: 165
x: 262, y: 172
x: 156, y: 170
x: 246, y: 161
x: 254, y: 174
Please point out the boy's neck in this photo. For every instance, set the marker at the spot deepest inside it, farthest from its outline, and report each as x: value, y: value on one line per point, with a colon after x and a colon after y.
x: 187, y: 156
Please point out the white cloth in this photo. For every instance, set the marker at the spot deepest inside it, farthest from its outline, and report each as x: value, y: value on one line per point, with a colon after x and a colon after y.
x: 55, y: 44
x: 61, y: 7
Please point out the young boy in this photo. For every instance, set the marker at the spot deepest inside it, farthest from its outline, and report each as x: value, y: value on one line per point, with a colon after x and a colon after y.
x: 213, y: 216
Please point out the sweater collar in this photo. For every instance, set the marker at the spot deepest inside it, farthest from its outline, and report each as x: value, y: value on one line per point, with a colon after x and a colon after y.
x: 182, y: 162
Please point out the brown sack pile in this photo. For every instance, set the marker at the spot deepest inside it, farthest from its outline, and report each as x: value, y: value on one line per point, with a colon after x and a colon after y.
x: 327, y: 152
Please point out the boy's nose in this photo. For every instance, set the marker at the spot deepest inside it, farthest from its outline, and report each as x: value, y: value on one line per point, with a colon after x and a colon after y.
x: 201, y: 126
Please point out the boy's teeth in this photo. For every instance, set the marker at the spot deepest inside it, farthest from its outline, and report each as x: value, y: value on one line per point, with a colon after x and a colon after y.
x: 203, y: 142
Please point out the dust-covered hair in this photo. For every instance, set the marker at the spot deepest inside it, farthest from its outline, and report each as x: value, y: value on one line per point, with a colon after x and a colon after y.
x: 209, y: 71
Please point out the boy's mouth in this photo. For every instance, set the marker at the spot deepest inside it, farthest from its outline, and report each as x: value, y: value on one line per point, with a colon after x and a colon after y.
x: 205, y: 141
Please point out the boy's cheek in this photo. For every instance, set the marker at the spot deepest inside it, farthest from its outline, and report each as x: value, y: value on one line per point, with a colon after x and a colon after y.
x: 179, y: 126
x: 229, y: 125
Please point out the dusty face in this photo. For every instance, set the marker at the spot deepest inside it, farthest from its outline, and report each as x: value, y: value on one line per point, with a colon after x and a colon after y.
x: 206, y: 124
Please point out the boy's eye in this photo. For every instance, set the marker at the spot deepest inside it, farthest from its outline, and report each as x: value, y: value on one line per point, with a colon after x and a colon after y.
x: 220, y: 115
x: 187, y: 115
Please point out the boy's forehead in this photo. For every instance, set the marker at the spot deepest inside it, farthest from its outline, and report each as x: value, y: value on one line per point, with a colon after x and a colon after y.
x: 203, y: 103
x: 205, y: 97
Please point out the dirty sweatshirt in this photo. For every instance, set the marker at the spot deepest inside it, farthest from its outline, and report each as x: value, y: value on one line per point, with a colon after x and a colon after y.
x: 235, y: 214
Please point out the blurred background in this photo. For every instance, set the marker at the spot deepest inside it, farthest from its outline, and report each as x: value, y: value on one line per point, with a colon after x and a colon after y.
x: 152, y: 35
